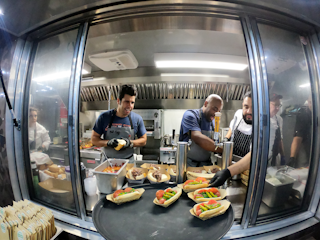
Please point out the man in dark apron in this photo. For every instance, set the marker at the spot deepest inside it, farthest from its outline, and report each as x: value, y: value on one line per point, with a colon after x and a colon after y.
x: 301, y: 143
x: 120, y: 123
x: 200, y: 124
x: 241, y: 142
x: 275, y: 142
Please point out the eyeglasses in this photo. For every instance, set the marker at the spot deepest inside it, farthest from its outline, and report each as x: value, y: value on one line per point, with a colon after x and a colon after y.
x: 277, y: 106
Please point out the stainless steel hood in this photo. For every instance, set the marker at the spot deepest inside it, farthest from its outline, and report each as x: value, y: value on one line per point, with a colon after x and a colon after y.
x: 153, y: 91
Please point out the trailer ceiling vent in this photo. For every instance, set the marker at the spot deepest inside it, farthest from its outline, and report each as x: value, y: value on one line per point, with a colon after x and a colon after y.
x: 114, y: 60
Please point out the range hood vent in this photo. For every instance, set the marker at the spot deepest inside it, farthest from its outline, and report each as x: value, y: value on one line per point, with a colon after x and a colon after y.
x: 150, y: 91
x: 114, y: 60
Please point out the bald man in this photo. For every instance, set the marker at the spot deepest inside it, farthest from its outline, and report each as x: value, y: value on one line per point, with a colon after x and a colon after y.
x: 200, y: 123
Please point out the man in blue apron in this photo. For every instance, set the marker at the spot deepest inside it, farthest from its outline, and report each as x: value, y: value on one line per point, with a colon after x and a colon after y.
x: 120, y: 123
x: 200, y: 124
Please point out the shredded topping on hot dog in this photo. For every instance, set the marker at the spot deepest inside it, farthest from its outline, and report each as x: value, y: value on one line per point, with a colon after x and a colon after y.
x: 136, y: 172
x: 157, y: 175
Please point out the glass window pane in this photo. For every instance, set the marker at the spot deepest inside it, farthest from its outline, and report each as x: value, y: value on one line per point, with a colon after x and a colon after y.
x: 290, y: 121
x: 173, y: 89
x: 48, y: 110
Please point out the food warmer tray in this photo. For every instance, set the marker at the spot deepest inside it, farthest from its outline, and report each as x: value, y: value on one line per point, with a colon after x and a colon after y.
x: 142, y: 219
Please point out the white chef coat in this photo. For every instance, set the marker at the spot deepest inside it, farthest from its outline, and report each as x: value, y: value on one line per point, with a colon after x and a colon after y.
x: 42, y: 136
x: 243, y: 126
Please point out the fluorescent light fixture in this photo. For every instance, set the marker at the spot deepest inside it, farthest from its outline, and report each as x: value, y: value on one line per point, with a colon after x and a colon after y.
x: 87, y: 79
x: 192, y: 75
x: 305, y: 85
x: 53, y: 76
x: 1, y: 13
x: 200, y: 60
x: 86, y: 68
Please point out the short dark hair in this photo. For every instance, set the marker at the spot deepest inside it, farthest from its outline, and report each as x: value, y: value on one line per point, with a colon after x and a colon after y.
x: 127, y: 89
x: 247, y: 94
x: 274, y: 97
x: 33, y: 109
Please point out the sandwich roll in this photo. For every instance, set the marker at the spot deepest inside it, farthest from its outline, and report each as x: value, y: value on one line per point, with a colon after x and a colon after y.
x: 136, y: 174
x: 166, y: 197
x: 192, y: 185
x: 208, y: 209
x: 126, y: 195
x: 121, y: 144
x: 157, y: 176
x: 172, y: 172
x: 206, y: 194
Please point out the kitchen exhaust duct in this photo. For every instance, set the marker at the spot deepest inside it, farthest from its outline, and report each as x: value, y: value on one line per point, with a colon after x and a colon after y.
x: 114, y: 60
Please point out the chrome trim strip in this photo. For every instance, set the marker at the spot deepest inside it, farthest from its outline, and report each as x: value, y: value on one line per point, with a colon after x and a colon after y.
x: 255, y: 79
x: 18, y: 107
x: 265, y: 111
x: 283, y: 232
x: 236, y: 232
x: 73, y: 115
x: 10, y: 146
x: 315, y: 75
x: 80, y: 232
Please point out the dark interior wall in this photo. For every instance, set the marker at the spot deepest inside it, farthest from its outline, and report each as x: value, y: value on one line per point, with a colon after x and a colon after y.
x: 7, y: 46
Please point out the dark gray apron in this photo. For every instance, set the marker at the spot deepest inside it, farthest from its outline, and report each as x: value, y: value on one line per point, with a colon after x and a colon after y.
x: 196, y: 153
x: 241, y: 142
x: 276, y: 145
x: 119, y: 132
x: 33, y: 143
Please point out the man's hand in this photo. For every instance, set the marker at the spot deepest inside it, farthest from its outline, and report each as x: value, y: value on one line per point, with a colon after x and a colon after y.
x: 219, y: 178
x: 291, y: 162
x: 127, y: 142
x: 112, y: 143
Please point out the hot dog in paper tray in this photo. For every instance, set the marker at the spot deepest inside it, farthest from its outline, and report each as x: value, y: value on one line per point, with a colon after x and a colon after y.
x: 165, y: 198
x: 210, y: 209
x: 192, y: 185
x: 206, y: 194
x: 127, y: 195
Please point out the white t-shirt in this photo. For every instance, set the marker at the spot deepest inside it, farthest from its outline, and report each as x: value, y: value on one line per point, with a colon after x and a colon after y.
x: 273, y: 128
x: 243, y: 126
x: 42, y: 136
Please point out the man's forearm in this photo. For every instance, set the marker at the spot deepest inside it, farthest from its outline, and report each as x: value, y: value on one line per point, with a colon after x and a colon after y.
x: 97, y: 141
x: 204, y: 142
x: 296, y: 143
x: 140, y: 142
x: 241, y: 166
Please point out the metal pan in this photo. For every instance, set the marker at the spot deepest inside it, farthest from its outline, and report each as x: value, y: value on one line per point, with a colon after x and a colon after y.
x: 142, y: 219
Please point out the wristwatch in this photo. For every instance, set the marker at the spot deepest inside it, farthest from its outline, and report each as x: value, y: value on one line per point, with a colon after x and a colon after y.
x: 131, y: 144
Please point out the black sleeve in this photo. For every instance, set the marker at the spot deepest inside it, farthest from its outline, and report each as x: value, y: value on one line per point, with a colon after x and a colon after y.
x: 302, y: 125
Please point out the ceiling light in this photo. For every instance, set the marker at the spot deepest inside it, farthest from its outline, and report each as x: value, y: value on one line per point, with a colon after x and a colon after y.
x: 305, y: 85
x: 192, y: 75
x: 54, y: 76
x: 1, y: 13
x: 200, y: 60
x: 86, y: 68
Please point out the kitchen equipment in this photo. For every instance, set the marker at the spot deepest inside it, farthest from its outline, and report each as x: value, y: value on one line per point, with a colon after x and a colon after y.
x: 276, y: 195
x: 158, y: 222
x: 152, y: 121
x: 181, y: 161
x: 90, y: 185
x: 109, y: 182
x: 168, y: 155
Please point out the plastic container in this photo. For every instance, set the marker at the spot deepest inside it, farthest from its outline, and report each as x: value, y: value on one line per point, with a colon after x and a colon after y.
x: 109, y: 182
x: 90, y: 185
x: 67, y: 168
x: 139, y: 157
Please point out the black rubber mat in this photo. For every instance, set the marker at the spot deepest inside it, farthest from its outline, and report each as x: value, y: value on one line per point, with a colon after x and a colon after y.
x: 142, y: 219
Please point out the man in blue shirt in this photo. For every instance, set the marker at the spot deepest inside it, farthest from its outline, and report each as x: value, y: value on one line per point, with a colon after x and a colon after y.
x: 120, y: 123
x: 198, y: 124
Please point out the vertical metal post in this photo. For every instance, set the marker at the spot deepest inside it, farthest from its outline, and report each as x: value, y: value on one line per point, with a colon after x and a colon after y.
x: 181, y: 161
x: 109, y: 99
x: 227, y: 154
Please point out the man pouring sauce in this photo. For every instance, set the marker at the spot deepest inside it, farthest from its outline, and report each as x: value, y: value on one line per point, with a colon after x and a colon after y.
x: 118, y: 127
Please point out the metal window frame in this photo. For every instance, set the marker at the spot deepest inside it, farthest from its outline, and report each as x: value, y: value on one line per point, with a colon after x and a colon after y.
x: 22, y: 100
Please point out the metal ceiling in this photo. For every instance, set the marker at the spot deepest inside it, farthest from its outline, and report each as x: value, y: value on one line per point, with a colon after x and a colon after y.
x: 151, y: 91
